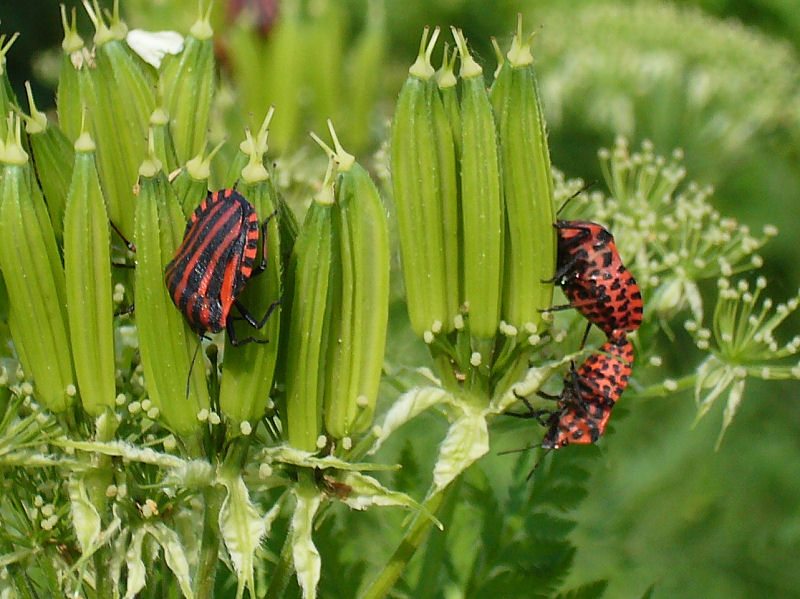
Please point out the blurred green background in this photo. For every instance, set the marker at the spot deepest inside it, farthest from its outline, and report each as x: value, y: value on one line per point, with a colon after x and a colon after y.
x: 718, y: 78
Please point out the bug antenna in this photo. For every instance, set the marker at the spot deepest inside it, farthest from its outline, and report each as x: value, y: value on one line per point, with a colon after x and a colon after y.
x: 576, y: 194
x: 536, y: 465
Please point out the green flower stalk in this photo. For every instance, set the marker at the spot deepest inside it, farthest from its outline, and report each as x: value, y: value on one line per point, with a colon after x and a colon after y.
x: 530, y: 243
x: 424, y: 183
x: 120, y: 101
x: 34, y: 278
x: 166, y: 342
x: 481, y: 200
x: 248, y: 370
x: 187, y: 81
x: 88, y: 282
x: 54, y: 156
x: 308, y: 280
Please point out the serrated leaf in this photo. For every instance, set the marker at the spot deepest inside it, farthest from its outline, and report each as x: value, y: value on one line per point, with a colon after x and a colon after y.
x: 307, y: 562
x: 407, y: 406
x: 133, y: 453
x: 174, y: 555
x: 590, y: 590
x: 242, y: 528
x: 731, y: 407
x: 466, y: 441
x: 367, y: 492
x: 297, y: 457
x: 137, y: 572
x: 85, y: 518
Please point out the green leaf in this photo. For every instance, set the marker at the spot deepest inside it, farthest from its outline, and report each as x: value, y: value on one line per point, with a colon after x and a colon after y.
x: 466, y: 441
x: 590, y: 590
x: 306, y: 557
x: 242, y: 528
x: 406, y: 407
x: 85, y: 518
x: 174, y: 554
x: 137, y: 572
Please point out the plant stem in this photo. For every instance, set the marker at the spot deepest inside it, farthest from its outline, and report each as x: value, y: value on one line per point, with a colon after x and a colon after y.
x: 408, y: 546
x: 282, y: 570
x: 667, y: 387
x: 209, y: 549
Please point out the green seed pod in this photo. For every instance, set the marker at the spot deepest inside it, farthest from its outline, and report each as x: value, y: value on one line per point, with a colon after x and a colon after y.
x: 71, y: 76
x: 53, y: 156
x: 527, y: 187
x: 481, y: 200
x: 248, y: 370
x: 88, y: 279
x: 324, y: 38
x: 119, y: 103
x: 268, y: 73
x: 425, y: 196
x: 358, y: 300
x: 34, y: 278
x: 7, y: 97
x: 162, y: 139
x: 166, y: 342
x: 446, y: 81
x: 362, y: 75
x: 191, y: 183
x: 188, y: 85
x: 307, y: 284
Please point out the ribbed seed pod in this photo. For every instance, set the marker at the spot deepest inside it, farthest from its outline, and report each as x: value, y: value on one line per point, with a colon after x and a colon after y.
x: 425, y: 197
x: 527, y: 187
x: 7, y: 97
x: 188, y: 87
x: 88, y: 279
x: 73, y: 70
x: 481, y: 200
x: 166, y: 343
x: 248, y: 369
x: 162, y: 139
x: 53, y: 156
x: 358, y: 299
x: 34, y: 278
x: 119, y: 103
x: 323, y: 49
x: 309, y: 272
x: 191, y: 183
x: 447, y: 81
x: 362, y: 76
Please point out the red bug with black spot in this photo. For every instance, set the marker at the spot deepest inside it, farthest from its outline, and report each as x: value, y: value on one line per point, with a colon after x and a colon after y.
x: 590, y: 392
x: 594, y: 279
x: 215, y: 261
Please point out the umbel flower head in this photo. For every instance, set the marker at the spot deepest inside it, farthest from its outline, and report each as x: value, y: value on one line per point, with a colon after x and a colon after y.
x: 742, y: 344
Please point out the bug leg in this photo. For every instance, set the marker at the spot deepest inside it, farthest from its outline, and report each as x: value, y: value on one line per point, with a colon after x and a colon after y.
x: 263, y: 265
x: 125, y: 311
x: 124, y: 239
x: 532, y: 412
x: 235, y: 341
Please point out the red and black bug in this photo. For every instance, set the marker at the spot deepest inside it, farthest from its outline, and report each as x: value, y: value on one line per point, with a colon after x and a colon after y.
x: 590, y: 392
x: 594, y: 279
x: 215, y: 261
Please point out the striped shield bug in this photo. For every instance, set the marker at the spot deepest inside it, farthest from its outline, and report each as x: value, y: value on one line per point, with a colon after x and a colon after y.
x: 214, y: 263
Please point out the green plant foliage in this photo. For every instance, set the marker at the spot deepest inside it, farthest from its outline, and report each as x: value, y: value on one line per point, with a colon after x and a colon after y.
x: 245, y: 486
